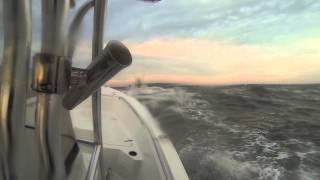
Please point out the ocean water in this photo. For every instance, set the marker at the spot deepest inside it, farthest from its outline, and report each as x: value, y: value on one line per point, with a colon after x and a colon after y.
x: 261, y: 132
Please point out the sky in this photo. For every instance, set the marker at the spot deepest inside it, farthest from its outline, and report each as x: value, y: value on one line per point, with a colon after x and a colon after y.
x: 218, y: 41
x: 209, y: 41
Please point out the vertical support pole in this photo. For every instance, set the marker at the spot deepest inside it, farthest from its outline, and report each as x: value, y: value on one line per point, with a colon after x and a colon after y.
x: 97, y: 45
x: 49, y: 109
x: 14, y: 80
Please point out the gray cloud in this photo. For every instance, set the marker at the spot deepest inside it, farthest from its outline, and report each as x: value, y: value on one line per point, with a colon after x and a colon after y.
x: 252, y: 21
x: 170, y: 66
x: 242, y: 21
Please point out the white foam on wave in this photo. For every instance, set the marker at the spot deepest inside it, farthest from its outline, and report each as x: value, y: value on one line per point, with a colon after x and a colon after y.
x: 235, y: 169
x: 224, y: 162
x: 304, y: 155
x: 257, y: 138
x: 186, y: 103
x: 305, y: 172
x: 153, y: 93
x: 227, y: 127
x: 269, y: 173
x: 307, y: 175
x: 269, y: 168
x: 282, y: 155
x: 231, y: 168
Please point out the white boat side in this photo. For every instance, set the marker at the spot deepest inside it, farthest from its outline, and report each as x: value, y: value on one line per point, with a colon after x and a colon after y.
x: 134, y: 146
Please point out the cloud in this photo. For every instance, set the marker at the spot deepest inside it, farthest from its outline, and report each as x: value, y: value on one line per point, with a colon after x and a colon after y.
x: 210, y: 62
x: 243, y: 21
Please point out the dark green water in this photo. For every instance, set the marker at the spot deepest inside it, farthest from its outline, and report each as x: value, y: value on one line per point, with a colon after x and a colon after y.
x: 240, y: 132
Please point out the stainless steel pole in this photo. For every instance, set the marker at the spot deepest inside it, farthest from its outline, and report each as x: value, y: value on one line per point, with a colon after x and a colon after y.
x: 75, y: 28
x: 97, y: 45
x: 50, y: 112
x: 14, y: 79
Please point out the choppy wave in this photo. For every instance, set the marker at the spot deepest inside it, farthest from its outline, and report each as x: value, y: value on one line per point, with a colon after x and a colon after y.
x: 241, y: 132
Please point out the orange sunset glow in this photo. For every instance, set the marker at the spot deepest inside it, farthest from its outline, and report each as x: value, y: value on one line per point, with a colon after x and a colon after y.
x: 223, y: 62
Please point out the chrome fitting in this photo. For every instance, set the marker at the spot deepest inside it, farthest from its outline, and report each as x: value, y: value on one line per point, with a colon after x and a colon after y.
x: 51, y: 74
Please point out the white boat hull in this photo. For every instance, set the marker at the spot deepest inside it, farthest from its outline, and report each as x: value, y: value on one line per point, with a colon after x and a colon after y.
x: 134, y: 147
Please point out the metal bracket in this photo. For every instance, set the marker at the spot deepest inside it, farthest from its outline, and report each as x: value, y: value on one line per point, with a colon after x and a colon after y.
x: 78, y: 77
x: 51, y: 74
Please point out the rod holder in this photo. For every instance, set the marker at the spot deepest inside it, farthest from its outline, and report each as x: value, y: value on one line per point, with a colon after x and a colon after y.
x: 112, y: 59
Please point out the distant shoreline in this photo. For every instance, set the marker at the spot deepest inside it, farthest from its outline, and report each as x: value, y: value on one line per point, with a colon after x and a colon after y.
x: 217, y: 85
